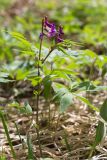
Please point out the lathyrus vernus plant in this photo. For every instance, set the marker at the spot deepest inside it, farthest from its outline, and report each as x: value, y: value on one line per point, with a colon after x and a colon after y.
x: 53, y: 76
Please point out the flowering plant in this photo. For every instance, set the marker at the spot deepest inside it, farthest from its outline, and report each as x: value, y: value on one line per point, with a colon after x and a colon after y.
x: 56, y: 81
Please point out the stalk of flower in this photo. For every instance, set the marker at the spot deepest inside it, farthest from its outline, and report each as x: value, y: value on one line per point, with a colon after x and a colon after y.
x: 49, y: 31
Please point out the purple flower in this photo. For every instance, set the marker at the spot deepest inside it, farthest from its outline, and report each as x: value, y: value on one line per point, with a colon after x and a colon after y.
x: 41, y: 35
x: 60, y: 31
x: 59, y: 37
x: 49, y: 30
x: 52, y: 32
x: 46, y: 23
x: 58, y: 40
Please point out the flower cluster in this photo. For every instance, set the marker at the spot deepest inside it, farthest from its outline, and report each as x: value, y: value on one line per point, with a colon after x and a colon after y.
x: 49, y: 30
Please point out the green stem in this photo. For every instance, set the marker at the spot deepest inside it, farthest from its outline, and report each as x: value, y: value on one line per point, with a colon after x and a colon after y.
x: 38, y: 136
x: 49, y: 115
x: 7, y: 134
x: 30, y: 148
x: 19, y: 134
x: 38, y: 68
x: 37, y: 104
x: 47, y: 56
x: 66, y: 142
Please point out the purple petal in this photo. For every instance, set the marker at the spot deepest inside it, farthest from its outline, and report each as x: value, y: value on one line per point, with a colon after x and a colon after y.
x: 52, y: 31
x: 41, y: 35
x: 59, y: 40
x: 60, y: 31
x: 46, y: 23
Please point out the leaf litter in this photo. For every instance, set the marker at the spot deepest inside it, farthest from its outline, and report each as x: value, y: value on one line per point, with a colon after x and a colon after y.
x: 78, y: 124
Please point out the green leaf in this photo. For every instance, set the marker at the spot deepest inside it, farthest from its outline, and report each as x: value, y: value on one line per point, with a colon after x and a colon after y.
x: 104, y: 70
x: 30, y: 53
x: 21, y: 38
x: 62, y: 73
x: 68, y: 43
x: 47, y: 86
x: 63, y: 96
x: 86, y: 101
x: 63, y: 50
x: 84, y: 86
x: 3, y: 80
x: 4, y: 74
x: 65, y: 102
x: 16, y: 34
x: 21, y: 74
x: 103, y: 110
x: 14, y: 104
x: 2, y: 157
x: 35, y: 81
x: 90, y: 53
x: 67, y: 71
x: 28, y: 108
x: 98, y: 88
x: 60, y: 90
x: 100, y: 133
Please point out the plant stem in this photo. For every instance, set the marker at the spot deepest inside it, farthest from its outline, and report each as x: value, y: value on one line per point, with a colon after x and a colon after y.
x: 38, y: 68
x: 30, y: 148
x: 66, y: 142
x: 58, y: 118
x: 49, y: 115
x: 38, y: 136
x: 37, y: 104
x: 19, y: 134
x: 47, y: 56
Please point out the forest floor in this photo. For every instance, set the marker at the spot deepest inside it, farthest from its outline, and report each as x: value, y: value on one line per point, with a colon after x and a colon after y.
x: 67, y: 137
